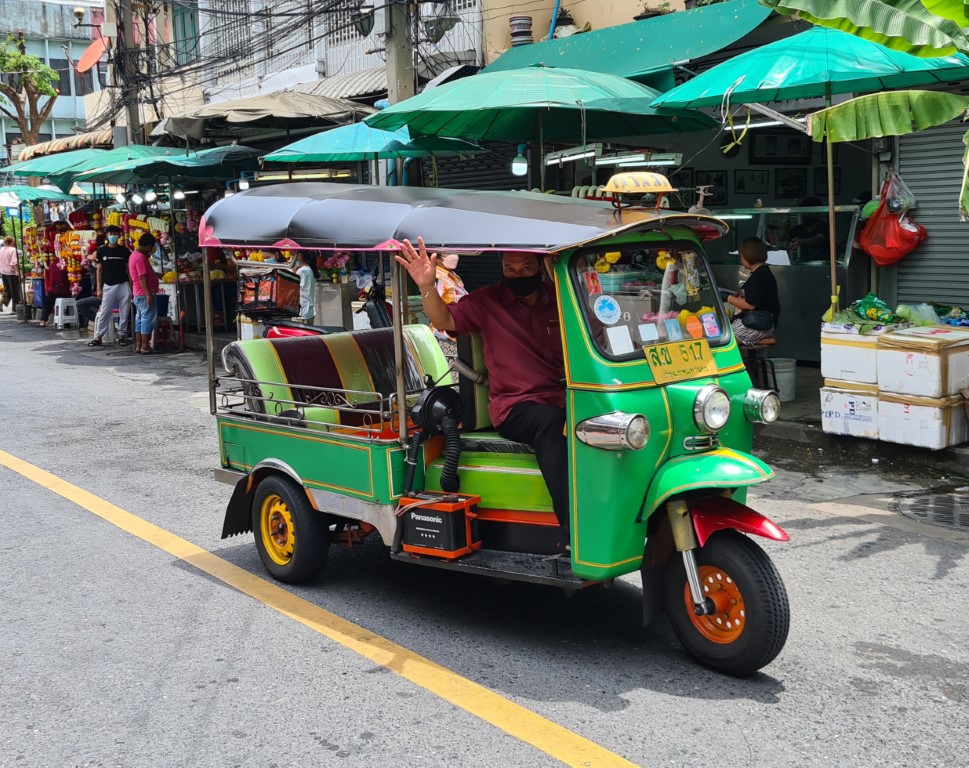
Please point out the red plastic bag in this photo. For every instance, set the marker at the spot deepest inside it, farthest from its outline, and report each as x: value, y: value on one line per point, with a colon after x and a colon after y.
x: 888, y: 237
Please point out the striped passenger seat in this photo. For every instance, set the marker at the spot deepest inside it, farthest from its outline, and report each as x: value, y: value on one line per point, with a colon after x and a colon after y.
x: 358, y: 363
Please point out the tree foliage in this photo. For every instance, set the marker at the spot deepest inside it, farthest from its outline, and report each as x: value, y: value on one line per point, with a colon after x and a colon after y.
x: 28, y: 87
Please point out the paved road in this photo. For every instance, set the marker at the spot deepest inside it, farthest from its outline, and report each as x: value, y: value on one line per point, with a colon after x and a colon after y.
x: 114, y: 652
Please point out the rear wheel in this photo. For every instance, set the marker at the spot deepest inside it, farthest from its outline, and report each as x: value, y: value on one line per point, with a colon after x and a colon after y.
x: 752, y: 614
x: 292, y: 538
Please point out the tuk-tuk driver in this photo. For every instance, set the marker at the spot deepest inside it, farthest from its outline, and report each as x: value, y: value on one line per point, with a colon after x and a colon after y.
x: 519, y: 324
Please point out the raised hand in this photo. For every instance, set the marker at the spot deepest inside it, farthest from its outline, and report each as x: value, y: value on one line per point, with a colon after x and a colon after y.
x: 421, y: 267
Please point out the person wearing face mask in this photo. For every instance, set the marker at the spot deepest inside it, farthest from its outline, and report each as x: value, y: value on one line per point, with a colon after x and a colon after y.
x: 111, y: 286
x: 519, y: 323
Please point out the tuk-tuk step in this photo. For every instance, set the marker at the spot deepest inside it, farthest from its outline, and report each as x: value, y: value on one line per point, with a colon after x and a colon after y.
x: 553, y: 570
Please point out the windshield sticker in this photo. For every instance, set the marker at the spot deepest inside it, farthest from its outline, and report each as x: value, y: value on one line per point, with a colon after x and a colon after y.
x: 692, y: 275
x: 673, y: 332
x: 592, y: 285
x: 648, y: 332
x: 620, y: 340
x: 710, y: 324
x: 607, y: 310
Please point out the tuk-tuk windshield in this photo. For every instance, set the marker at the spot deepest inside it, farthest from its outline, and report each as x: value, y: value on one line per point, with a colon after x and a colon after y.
x: 636, y: 298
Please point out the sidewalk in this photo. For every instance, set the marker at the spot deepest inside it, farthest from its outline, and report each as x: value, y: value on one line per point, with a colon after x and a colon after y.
x: 800, y: 422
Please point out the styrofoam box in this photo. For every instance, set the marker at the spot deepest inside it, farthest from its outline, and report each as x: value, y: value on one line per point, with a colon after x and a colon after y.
x: 849, y: 412
x: 849, y: 357
x: 925, y: 362
x: 925, y: 422
x: 851, y: 329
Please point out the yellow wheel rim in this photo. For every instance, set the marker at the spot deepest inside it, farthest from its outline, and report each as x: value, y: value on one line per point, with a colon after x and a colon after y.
x: 277, y: 530
x: 727, y: 624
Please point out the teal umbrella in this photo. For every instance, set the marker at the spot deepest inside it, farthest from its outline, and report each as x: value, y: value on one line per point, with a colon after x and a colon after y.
x: 359, y: 142
x: 538, y: 104
x: 16, y: 194
x: 815, y: 63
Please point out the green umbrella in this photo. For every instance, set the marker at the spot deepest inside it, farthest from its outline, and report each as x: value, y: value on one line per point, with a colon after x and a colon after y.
x: 814, y: 63
x: 932, y: 28
x: 359, y: 142
x: 16, y: 194
x: 537, y: 104
x: 56, y: 163
x: 216, y: 162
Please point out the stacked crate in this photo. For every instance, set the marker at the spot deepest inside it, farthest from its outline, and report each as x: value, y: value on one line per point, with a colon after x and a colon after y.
x: 901, y: 386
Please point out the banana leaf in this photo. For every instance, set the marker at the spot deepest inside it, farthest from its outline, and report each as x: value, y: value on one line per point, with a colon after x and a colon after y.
x: 894, y: 113
x: 921, y: 27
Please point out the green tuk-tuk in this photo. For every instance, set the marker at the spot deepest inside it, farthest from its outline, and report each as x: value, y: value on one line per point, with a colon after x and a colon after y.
x: 332, y: 438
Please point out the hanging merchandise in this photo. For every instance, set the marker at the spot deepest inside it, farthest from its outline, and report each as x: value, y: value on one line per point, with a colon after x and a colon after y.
x: 889, y: 234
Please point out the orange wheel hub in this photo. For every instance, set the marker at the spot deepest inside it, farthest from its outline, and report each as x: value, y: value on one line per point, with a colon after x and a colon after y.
x: 727, y: 623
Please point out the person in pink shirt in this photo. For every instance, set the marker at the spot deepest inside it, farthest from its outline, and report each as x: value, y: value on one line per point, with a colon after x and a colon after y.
x: 144, y: 286
x: 10, y: 274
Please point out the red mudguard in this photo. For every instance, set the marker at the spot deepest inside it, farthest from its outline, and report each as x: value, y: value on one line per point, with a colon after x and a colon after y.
x: 715, y: 513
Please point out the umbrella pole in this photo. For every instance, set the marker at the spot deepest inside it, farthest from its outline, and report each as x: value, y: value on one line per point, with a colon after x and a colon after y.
x: 20, y: 267
x: 541, y: 149
x: 832, y: 243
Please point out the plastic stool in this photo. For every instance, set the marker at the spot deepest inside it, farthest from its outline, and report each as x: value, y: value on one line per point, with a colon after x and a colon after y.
x: 65, y: 313
x: 112, y: 331
x: 164, y: 334
x: 759, y: 366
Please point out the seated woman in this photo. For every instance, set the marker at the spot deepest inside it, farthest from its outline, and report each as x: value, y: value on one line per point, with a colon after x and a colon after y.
x: 757, y: 300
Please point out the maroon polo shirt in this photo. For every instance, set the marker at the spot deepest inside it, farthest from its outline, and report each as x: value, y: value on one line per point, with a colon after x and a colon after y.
x: 522, y: 346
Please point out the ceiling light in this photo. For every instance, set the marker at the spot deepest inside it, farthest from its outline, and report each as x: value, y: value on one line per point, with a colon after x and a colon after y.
x: 120, y: 198
x: 243, y: 184
x: 571, y: 155
x: 179, y: 194
x: 137, y: 199
x: 151, y: 196
x: 519, y: 166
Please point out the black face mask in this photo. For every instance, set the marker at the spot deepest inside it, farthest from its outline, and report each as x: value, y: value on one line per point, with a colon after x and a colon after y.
x: 523, y: 286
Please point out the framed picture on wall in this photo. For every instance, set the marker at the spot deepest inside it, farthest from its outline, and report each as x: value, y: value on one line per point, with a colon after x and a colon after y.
x: 717, y: 180
x: 790, y: 183
x: 792, y: 148
x: 682, y: 180
x: 821, y: 181
x: 751, y: 182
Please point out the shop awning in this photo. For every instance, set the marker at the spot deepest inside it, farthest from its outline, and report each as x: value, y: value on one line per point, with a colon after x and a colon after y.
x: 103, y: 138
x: 645, y: 50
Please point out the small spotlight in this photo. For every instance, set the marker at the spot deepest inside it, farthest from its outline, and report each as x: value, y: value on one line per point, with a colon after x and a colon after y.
x: 137, y: 199
x: 243, y: 184
x: 179, y: 194
x: 151, y: 196
x: 120, y: 198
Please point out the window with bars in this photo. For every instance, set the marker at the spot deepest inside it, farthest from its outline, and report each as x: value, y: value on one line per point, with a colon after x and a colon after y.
x: 231, y: 33
x: 338, y: 26
x: 185, y: 33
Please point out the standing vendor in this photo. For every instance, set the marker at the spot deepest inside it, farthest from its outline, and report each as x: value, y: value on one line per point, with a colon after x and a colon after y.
x: 308, y: 273
x: 112, y: 287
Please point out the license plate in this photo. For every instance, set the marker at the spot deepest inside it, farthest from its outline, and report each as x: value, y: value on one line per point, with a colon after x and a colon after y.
x: 680, y: 360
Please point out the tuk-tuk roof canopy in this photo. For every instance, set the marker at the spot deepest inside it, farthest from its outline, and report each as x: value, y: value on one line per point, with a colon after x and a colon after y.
x: 320, y: 215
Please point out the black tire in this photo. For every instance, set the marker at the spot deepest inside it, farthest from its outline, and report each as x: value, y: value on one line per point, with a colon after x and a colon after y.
x: 747, y: 636
x: 297, y: 551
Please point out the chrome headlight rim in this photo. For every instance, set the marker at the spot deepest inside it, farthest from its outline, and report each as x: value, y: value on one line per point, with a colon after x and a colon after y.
x: 754, y: 402
x: 700, y: 404
x: 614, y: 431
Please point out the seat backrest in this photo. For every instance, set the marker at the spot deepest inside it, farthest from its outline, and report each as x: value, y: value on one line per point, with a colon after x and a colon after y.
x: 358, y: 362
x: 474, y: 397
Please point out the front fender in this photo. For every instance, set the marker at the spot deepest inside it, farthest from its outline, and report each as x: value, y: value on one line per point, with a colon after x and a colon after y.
x: 720, y: 468
x: 714, y: 513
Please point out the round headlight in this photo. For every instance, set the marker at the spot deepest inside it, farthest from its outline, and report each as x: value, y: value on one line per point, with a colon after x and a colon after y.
x: 762, y: 405
x: 711, y: 409
x: 637, y: 432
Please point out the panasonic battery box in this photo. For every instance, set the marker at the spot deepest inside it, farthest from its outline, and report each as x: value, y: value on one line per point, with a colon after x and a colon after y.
x: 440, y: 524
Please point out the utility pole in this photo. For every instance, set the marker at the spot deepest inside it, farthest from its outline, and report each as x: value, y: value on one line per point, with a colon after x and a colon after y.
x: 128, y: 71
x: 400, y: 52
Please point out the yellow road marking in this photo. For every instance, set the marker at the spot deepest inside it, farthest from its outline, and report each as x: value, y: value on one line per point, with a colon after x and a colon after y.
x: 513, y: 719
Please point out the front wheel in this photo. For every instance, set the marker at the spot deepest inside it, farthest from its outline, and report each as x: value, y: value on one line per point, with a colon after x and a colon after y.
x: 752, y: 616
x: 292, y: 538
